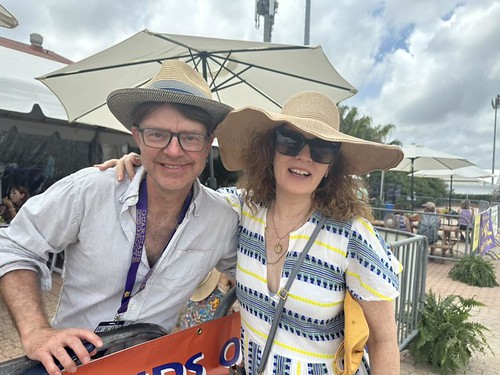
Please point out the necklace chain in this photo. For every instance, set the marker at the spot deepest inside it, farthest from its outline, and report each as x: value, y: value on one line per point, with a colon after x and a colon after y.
x: 278, y: 248
x: 277, y: 260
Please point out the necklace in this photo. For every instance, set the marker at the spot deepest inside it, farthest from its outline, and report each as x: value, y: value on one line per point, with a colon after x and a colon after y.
x: 278, y: 248
x: 277, y: 260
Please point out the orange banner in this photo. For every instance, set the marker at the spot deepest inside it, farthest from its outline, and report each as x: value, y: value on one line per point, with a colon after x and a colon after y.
x: 209, y: 348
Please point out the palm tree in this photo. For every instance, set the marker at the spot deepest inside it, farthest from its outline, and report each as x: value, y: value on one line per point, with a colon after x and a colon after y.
x: 362, y: 127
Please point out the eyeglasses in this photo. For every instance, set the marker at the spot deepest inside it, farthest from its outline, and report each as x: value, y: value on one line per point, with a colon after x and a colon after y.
x: 291, y: 143
x: 159, y: 138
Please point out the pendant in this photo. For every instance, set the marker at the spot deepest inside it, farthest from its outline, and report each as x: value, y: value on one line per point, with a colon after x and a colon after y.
x: 278, y: 248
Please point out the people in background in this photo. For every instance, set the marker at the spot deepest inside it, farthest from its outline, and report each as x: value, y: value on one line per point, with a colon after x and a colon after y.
x: 429, y: 222
x: 18, y: 195
x: 466, y: 215
x: 398, y: 220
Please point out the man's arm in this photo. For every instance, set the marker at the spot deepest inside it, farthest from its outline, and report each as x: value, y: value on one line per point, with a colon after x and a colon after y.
x: 21, y: 292
x: 382, y: 342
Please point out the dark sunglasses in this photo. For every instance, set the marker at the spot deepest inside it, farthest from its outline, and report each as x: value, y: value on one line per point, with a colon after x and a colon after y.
x: 291, y: 143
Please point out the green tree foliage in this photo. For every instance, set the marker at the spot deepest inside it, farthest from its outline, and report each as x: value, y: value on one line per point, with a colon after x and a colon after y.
x: 425, y: 188
x: 362, y: 127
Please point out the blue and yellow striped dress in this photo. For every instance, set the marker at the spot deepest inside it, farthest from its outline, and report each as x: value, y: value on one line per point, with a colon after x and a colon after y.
x: 345, y: 254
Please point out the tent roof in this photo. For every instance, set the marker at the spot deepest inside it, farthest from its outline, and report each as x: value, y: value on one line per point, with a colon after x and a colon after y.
x: 33, y: 50
x: 19, y: 65
x: 20, y: 90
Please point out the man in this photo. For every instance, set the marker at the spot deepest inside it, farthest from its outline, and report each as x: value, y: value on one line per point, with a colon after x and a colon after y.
x: 428, y: 223
x: 134, y: 251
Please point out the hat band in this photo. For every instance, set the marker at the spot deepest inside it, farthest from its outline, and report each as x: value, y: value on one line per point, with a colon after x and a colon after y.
x: 179, y: 87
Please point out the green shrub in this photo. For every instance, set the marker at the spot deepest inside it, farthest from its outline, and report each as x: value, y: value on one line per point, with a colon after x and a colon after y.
x: 474, y: 270
x: 446, y: 339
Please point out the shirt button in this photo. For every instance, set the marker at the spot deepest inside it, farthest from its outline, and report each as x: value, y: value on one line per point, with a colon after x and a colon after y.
x: 133, y: 307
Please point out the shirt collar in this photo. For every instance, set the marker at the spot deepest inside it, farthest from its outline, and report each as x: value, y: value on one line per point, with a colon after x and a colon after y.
x: 131, y: 195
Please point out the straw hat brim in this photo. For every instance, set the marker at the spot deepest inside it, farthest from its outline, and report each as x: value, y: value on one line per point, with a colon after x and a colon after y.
x: 239, y: 128
x: 206, y: 287
x: 123, y: 102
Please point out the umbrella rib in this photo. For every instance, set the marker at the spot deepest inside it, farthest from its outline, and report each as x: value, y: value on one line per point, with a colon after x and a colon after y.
x: 216, y: 88
x: 283, y: 73
x: 193, y: 57
x: 89, y: 111
x: 225, y: 85
x: 251, y: 49
x: 100, y: 105
x: 90, y: 70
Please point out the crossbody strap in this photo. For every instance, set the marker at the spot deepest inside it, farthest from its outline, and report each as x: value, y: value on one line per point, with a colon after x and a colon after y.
x: 283, y: 293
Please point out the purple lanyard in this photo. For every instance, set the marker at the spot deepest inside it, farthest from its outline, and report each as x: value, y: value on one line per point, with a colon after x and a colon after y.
x: 140, y: 237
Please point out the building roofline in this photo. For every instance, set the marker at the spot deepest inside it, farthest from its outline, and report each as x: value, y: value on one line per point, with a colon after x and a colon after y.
x: 33, y: 50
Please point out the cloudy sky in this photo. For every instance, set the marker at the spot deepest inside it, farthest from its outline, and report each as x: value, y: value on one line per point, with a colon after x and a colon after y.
x: 430, y: 67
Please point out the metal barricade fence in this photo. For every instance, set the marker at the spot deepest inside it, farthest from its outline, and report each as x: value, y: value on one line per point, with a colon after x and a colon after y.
x: 449, y: 231
x: 411, y: 251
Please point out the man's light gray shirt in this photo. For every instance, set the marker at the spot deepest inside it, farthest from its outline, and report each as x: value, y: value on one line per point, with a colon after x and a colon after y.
x: 92, y: 218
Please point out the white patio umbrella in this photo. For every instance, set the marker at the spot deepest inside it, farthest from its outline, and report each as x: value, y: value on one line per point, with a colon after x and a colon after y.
x: 470, y: 173
x: 418, y: 157
x: 7, y: 19
x: 239, y: 73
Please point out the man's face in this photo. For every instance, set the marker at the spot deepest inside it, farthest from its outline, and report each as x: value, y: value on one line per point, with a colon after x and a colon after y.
x: 172, y: 169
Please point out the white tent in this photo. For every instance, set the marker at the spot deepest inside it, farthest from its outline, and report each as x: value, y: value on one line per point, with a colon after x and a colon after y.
x: 20, y: 92
x: 34, y: 126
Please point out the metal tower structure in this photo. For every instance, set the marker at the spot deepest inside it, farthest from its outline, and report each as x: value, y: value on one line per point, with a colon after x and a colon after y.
x: 266, y: 9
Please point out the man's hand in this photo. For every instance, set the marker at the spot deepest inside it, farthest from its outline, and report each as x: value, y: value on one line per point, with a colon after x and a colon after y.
x: 126, y: 163
x: 45, y: 344
x: 21, y: 293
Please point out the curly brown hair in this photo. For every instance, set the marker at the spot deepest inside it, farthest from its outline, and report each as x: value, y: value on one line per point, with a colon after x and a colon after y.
x: 339, y: 195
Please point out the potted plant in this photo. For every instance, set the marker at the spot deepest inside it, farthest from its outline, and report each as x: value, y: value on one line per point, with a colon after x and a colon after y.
x: 474, y: 270
x: 446, y: 338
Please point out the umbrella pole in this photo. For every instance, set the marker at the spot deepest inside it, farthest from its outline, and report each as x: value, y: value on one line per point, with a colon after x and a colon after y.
x: 451, y: 189
x: 381, y: 196
x: 212, y: 181
x: 412, y: 202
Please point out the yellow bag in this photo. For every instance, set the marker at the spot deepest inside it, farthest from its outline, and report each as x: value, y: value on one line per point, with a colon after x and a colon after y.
x: 356, y: 333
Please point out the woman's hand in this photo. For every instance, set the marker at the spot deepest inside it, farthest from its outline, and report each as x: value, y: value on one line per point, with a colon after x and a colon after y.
x: 8, y: 203
x: 127, y: 163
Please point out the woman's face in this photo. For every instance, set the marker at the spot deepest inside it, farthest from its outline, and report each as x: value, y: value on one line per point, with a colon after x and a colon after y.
x: 16, y: 196
x: 299, y: 174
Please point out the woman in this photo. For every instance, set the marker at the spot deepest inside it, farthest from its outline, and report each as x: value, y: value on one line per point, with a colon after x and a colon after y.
x: 299, y: 167
x: 18, y: 195
x: 466, y: 214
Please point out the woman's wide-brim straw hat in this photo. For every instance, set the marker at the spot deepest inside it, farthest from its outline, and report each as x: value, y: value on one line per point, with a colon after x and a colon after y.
x: 206, y: 287
x: 176, y: 82
x: 312, y: 113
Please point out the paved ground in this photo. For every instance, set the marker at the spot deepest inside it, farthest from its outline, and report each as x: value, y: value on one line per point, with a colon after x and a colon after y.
x: 489, y: 316
x: 437, y: 281
x: 10, y: 346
